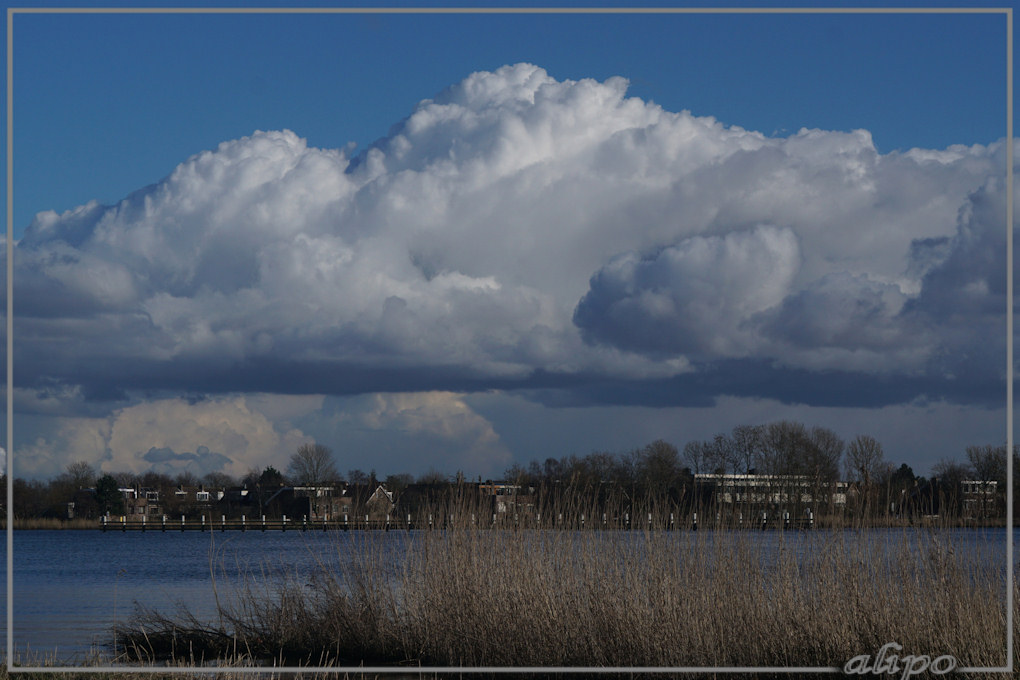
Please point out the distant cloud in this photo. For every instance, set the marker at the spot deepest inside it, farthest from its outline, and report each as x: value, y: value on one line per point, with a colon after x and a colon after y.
x: 517, y: 231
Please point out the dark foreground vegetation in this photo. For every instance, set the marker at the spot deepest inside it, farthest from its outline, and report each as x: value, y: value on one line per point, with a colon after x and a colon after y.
x: 466, y: 597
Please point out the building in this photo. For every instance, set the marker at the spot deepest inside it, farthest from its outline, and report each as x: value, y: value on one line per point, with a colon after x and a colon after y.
x: 772, y: 490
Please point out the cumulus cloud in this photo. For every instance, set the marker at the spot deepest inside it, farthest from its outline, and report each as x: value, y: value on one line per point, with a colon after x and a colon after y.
x: 514, y: 231
x: 220, y: 434
x: 412, y: 432
x: 694, y: 298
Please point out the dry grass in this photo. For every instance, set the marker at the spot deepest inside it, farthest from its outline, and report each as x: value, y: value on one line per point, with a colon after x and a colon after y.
x: 50, y: 523
x: 479, y: 597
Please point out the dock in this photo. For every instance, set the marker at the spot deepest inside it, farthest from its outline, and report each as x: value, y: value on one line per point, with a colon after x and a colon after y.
x: 498, y: 521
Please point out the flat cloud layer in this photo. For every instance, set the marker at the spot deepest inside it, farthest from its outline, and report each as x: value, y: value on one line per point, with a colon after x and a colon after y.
x: 522, y: 232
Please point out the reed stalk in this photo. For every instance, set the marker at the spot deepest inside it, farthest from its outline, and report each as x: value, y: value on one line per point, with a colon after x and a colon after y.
x: 469, y: 595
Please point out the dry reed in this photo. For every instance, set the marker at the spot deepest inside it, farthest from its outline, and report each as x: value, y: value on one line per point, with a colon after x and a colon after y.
x: 468, y: 596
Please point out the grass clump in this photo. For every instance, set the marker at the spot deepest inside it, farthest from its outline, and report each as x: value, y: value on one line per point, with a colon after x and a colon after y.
x: 471, y: 597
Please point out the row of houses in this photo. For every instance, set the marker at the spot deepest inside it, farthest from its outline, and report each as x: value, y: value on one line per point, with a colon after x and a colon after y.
x: 316, y: 503
x: 976, y: 498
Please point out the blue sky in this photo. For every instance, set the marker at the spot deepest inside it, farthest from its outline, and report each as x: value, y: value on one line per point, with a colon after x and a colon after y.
x: 542, y: 261
x: 120, y: 100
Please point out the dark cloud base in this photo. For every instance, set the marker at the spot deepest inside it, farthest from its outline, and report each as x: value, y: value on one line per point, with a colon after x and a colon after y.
x: 742, y: 378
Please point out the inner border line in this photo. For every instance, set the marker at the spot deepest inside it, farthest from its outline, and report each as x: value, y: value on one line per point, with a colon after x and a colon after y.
x: 11, y: 11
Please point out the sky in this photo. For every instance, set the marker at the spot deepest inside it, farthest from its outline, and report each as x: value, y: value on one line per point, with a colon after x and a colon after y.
x: 456, y: 242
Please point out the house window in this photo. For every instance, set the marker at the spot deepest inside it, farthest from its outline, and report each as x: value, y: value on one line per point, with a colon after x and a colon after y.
x: 201, y: 495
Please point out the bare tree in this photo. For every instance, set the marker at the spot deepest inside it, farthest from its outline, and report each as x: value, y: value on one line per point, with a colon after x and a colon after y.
x: 81, y: 474
x: 988, y: 462
x: 312, y: 464
x: 949, y: 476
x: 747, y: 445
x: 865, y: 462
x: 864, y: 458
x: 822, y: 462
x: 658, y: 467
x: 218, y: 480
x: 698, y: 456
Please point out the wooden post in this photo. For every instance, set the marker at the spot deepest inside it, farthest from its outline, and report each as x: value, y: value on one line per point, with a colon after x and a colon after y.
x: 304, y: 522
x: 283, y: 527
x: 203, y: 522
x: 694, y: 526
x: 263, y: 522
x: 649, y: 521
x: 182, y: 522
x: 243, y: 526
x: 764, y: 520
x: 671, y: 521
x: 223, y: 523
x: 123, y: 523
x: 164, y: 524
x: 143, y: 524
x: 104, y: 522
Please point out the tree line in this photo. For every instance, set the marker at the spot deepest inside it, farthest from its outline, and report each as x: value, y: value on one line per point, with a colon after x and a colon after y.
x: 658, y: 472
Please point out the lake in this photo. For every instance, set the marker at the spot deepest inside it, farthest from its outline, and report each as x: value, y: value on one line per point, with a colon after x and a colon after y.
x: 71, y: 587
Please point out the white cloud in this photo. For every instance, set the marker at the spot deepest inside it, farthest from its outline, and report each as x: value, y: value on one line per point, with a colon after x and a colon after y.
x: 459, y: 247
x: 168, y: 435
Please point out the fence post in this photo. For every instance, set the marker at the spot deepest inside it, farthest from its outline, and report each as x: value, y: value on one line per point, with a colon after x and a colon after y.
x: 203, y: 522
x: 243, y: 526
x: 123, y: 523
x: 582, y: 520
x: 223, y: 523
x: 182, y: 522
x: 283, y: 527
x: 104, y: 522
x: 143, y: 524
x: 304, y: 522
x: 649, y: 521
x: 263, y: 522
x: 786, y: 519
x: 694, y: 526
x: 764, y: 520
x: 164, y: 523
